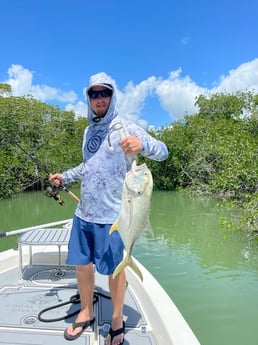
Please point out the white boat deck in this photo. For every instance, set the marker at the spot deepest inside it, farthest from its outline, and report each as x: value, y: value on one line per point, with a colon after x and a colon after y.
x: 42, y: 281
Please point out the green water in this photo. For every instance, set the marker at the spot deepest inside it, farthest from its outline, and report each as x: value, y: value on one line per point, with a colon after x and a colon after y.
x: 211, y: 274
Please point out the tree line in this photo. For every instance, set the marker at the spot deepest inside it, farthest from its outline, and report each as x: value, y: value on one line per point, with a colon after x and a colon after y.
x: 213, y: 152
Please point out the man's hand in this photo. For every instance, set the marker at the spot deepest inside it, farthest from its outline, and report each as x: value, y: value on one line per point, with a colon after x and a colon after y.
x: 131, y: 145
x: 56, y: 179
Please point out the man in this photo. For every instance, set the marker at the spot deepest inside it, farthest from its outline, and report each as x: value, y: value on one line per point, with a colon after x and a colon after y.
x: 108, y: 144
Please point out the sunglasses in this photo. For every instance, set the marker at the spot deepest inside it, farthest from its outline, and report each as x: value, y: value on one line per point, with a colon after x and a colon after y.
x: 93, y: 94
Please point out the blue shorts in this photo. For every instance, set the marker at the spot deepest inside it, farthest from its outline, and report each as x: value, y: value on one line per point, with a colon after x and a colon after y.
x: 92, y: 243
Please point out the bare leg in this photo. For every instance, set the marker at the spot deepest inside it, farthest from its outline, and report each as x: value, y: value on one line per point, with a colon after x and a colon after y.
x: 117, y: 289
x: 85, y: 280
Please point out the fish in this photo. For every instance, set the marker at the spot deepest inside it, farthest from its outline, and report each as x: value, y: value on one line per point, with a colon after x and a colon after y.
x: 134, y: 213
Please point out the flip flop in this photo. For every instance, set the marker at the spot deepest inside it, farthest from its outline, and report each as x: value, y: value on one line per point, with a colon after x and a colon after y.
x: 83, y: 325
x: 114, y: 333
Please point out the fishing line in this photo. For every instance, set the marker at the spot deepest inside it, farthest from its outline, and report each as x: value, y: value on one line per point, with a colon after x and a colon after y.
x: 119, y: 126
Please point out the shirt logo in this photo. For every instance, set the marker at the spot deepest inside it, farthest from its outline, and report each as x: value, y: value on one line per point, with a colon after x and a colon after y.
x: 94, y: 144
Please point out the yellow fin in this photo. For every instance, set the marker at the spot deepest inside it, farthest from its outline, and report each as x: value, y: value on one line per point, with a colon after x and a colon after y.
x: 114, y: 227
x: 128, y: 261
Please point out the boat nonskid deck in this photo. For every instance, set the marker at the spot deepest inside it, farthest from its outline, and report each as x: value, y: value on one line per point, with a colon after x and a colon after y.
x: 44, y: 287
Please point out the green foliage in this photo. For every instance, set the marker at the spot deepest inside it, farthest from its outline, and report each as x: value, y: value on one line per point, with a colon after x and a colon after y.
x: 51, y: 136
x: 226, y: 106
x: 213, y: 152
x: 5, y: 89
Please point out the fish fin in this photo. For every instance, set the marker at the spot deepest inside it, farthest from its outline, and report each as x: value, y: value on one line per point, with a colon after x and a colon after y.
x: 114, y: 227
x: 128, y: 261
x: 149, y: 228
x: 136, y: 269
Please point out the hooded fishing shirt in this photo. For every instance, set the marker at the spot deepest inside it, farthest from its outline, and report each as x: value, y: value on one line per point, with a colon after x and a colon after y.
x: 104, y: 165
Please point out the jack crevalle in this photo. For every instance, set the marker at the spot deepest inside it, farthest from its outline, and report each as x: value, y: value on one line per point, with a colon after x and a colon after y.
x: 133, y: 218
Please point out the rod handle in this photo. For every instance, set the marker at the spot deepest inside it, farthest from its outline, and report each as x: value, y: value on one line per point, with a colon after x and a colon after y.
x: 73, y: 196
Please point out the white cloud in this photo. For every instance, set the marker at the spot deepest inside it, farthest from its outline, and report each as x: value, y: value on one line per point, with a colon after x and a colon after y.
x: 47, y: 93
x: 131, y: 102
x: 80, y: 108
x: 245, y: 77
x: 21, y: 80
x: 177, y: 94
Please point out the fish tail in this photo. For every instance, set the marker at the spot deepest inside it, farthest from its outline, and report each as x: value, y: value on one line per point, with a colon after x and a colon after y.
x: 135, y: 268
x: 128, y: 261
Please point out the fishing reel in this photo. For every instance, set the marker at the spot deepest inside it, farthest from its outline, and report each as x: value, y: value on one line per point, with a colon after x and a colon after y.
x: 53, y: 192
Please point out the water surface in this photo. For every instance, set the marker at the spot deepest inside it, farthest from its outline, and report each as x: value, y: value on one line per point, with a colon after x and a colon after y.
x: 211, y: 274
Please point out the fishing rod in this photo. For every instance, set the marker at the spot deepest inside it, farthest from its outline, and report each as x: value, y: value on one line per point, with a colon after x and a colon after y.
x: 52, y: 191
x: 21, y: 231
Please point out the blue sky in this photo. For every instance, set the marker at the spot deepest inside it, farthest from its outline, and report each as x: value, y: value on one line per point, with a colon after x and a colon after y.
x: 161, y: 54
